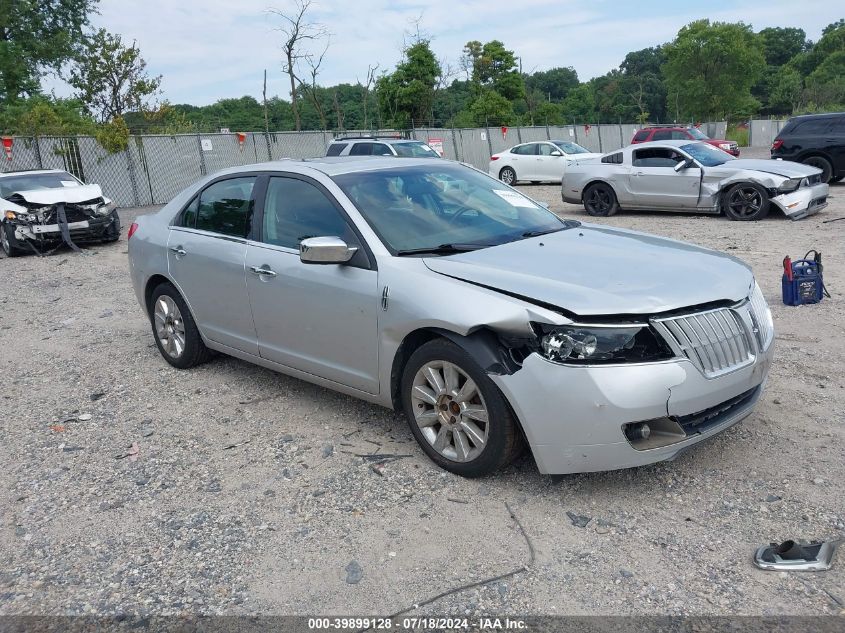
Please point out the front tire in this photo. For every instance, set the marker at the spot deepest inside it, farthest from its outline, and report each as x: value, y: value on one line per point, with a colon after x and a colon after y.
x: 820, y: 162
x: 746, y: 201
x: 174, y: 329
x: 112, y: 233
x: 600, y: 201
x: 8, y: 241
x: 456, y: 413
x: 508, y: 176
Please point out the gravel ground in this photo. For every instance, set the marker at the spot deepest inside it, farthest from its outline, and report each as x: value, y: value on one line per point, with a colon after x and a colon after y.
x: 131, y: 487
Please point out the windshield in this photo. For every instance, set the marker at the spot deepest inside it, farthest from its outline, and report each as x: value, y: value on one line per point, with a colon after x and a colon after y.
x: 706, y: 154
x: 426, y: 207
x: 29, y: 182
x: 697, y: 134
x: 415, y: 150
x: 568, y: 147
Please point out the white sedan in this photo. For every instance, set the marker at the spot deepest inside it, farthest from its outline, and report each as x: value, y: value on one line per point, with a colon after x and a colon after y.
x: 536, y: 162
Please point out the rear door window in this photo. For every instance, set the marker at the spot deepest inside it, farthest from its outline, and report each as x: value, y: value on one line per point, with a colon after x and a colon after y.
x: 335, y: 149
x: 361, y: 149
x: 641, y: 136
x: 813, y: 126
x: 225, y: 207
x: 662, y: 135
x: 380, y: 149
x: 656, y: 157
x: 525, y: 150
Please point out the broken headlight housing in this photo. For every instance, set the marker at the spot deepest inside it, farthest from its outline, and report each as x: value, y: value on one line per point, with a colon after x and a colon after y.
x: 593, y: 344
x: 791, y: 185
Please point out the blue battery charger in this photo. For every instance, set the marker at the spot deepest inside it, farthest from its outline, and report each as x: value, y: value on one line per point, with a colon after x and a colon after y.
x: 805, y: 284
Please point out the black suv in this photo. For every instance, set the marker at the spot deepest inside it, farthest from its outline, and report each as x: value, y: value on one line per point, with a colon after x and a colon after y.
x: 817, y: 140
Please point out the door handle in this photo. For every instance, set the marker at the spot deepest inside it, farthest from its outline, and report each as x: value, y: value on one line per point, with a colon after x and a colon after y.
x: 263, y: 271
x: 178, y: 250
x: 638, y: 173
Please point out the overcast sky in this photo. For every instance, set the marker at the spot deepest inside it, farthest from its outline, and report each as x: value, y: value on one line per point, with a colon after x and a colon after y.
x: 212, y: 49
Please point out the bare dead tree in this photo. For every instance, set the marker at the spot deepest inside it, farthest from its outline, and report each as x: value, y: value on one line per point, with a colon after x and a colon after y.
x: 638, y: 97
x: 310, y: 87
x: 338, y: 112
x: 371, y: 79
x: 296, y: 32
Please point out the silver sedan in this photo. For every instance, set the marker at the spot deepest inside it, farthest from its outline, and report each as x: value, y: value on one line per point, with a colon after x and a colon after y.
x: 431, y: 288
x: 693, y: 177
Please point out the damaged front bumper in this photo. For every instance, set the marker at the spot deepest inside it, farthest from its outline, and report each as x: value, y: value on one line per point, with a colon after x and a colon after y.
x: 802, y: 202
x: 45, y: 232
x: 575, y: 418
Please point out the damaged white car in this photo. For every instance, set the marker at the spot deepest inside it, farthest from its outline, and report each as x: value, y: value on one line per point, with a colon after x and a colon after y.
x: 47, y: 208
x: 693, y: 177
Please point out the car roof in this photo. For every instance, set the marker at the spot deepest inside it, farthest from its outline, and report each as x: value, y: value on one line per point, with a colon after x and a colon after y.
x: 32, y: 171
x: 825, y: 115
x: 335, y: 165
x: 671, y: 142
x: 375, y: 139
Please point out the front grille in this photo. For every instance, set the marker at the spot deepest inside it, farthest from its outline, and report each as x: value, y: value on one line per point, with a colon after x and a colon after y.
x: 715, y: 341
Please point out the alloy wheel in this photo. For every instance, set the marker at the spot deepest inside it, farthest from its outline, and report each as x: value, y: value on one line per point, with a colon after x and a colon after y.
x: 599, y: 201
x: 450, y: 411
x: 745, y: 202
x: 170, y: 328
x: 507, y: 176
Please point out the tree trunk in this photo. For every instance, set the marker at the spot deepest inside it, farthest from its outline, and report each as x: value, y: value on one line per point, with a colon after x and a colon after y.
x: 293, y: 103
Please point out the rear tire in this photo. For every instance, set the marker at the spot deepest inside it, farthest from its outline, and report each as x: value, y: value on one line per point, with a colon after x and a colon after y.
x: 174, y: 329
x: 746, y: 201
x: 600, y: 200
x: 820, y: 162
x: 465, y: 425
x: 508, y: 176
x: 9, y: 242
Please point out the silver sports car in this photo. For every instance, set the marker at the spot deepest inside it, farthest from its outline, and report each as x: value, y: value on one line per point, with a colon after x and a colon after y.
x: 693, y: 177
x: 431, y: 288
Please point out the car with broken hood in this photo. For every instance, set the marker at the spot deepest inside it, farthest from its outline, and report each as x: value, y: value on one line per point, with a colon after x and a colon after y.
x: 43, y: 209
x: 436, y: 290
x: 693, y: 177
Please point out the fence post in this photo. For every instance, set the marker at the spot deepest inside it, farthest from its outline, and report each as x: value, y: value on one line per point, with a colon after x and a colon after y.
x: 203, y: 170
x: 38, y: 152
x: 267, y: 141
x: 130, y: 164
x: 455, y: 145
x: 548, y: 134
x: 751, y: 133
x: 518, y: 134
x: 489, y: 142
x: 598, y: 131
x: 621, y: 138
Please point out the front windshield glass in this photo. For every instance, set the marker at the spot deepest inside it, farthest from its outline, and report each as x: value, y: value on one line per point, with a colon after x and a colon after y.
x: 568, y: 147
x: 30, y: 182
x: 706, y: 154
x: 429, y: 207
x: 697, y: 134
x: 415, y: 150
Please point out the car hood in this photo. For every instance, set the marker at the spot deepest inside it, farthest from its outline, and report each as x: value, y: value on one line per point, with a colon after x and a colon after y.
x: 71, y: 195
x: 785, y: 168
x: 592, y: 270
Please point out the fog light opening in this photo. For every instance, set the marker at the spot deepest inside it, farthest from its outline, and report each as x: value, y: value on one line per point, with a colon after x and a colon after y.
x: 640, y: 431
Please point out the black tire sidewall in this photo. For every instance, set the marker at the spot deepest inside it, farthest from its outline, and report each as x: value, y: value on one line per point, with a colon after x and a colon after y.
x: 614, y: 207
x: 9, y: 239
x: 511, y: 170
x: 195, y: 351
x: 764, y: 209
x: 112, y: 233
x: 502, y: 435
x: 825, y: 166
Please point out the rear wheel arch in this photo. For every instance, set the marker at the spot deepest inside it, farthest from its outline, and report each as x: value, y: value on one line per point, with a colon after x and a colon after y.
x: 598, y: 181
x: 152, y: 283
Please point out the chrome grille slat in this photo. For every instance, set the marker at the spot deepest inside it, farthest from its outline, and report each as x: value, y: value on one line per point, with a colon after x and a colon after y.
x: 715, y: 341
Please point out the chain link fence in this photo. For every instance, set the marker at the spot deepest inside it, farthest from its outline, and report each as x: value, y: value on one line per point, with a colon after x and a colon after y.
x: 154, y: 168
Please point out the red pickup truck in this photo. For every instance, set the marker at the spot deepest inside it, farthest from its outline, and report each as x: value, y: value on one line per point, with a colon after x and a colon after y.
x: 671, y: 132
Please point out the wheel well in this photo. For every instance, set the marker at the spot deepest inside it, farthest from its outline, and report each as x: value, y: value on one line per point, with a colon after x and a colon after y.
x: 504, y: 167
x: 724, y: 191
x: 816, y: 154
x: 598, y: 182
x: 408, y: 346
x: 152, y: 283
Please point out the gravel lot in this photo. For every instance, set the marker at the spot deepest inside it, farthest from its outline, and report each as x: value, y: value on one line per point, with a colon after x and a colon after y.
x: 131, y: 487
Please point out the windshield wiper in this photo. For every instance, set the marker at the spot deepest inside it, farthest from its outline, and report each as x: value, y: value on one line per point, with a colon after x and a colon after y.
x: 443, y: 249
x: 565, y: 224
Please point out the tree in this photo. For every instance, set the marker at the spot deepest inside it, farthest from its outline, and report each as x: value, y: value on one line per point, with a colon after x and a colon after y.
x: 782, y: 44
x: 36, y: 37
x: 110, y: 78
x: 710, y: 69
x: 297, y: 32
x: 493, y: 66
x: 833, y: 26
x: 45, y: 116
x: 554, y: 84
x: 491, y: 108
x: 406, y: 96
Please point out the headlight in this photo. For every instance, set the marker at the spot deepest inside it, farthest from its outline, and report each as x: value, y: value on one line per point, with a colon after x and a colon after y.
x: 790, y: 185
x: 10, y: 215
x: 584, y: 344
x: 725, y: 145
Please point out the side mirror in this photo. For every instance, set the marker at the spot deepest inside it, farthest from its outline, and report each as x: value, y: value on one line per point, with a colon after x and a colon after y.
x: 683, y: 164
x: 325, y: 250
x: 556, y: 152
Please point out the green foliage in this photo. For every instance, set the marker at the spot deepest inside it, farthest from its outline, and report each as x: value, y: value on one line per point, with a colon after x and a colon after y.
x: 43, y: 116
x: 110, y: 78
x: 37, y: 36
x: 782, y: 44
x: 113, y: 136
x: 493, y: 67
x: 491, y: 108
x: 738, y: 135
x: 710, y: 69
x: 406, y: 96
x: 553, y: 84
